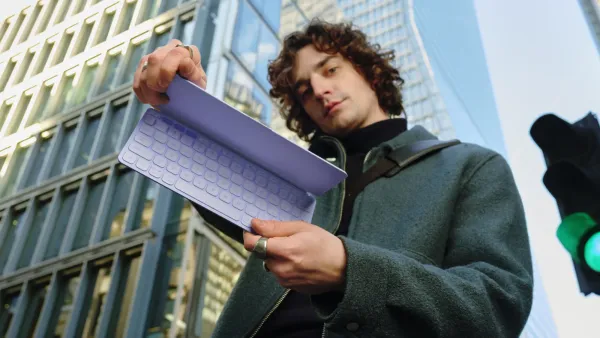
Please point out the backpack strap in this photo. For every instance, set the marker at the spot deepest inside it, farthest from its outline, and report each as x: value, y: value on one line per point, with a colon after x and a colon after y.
x: 397, y: 160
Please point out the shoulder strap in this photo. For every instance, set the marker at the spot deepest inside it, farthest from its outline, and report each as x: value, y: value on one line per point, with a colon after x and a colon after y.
x: 397, y: 160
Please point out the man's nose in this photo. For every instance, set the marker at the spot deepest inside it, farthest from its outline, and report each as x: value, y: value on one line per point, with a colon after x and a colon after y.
x: 321, y: 87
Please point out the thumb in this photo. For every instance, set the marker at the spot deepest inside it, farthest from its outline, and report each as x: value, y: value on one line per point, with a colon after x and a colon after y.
x: 192, y: 72
x: 270, y: 228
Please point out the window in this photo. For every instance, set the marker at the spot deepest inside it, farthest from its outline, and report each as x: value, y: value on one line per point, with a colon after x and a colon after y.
x: 84, y: 37
x: 242, y: 93
x: 267, y: 50
x: 4, y: 110
x: 106, y: 24
x: 117, y: 214
x: 60, y: 226
x: 13, y: 31
x: 8, y: 70
x: 187, y: 31
x: 64, y: 304
x: 246, y: 36
x: 64, y: 148
x: 143, y: 217
x: 84, y: 84
x: 135, y: 55
x: 151, y: 10
x: 34, y: 18
x: 14, y: 225
x: 85, y: 150
x: 44, y: 57
x: 170, y: 4
x: 125, y: 297
x: 79, y: 5
x: 88, y: 217
x: 62, y: 12
x: 41, y: 212
x: 114, y: 130
x: 66, y: 95
x: 271, y: 11
x: 38, y: 161
x: 9, y: 307
x: 42, y: 105
x: 65, y: 44
x: 126, y: 17
x: 18, y: 114
x: 15, y: 167
x: 34, y: 308
x: 25, y: 64
x: 108, y: 76
x: 101, y: 287
x: 46, y: 18
x: 163, y: 38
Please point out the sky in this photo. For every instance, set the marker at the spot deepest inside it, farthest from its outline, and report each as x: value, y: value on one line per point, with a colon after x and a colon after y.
x: 542, y: 59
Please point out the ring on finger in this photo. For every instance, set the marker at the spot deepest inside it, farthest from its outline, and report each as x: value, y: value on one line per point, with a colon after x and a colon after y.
x: 260, y: 248
x: 188, y: 48
x: 264, y: 263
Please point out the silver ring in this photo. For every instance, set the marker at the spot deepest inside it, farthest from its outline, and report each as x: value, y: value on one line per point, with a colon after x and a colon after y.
x: 144, y: 66
x: 189, y: 49
x: 260, y: 248
x: 265, y: 266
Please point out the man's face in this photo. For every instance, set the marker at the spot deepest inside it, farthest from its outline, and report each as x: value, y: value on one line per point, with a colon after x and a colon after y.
x: 335, y: 96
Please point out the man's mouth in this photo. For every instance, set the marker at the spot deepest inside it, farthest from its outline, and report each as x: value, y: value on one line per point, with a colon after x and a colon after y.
x: 331, y: 106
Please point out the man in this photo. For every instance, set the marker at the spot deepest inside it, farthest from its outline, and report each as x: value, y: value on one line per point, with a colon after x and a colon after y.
x: 438, y: 250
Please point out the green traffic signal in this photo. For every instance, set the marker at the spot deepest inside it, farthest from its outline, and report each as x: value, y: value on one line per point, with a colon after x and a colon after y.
x: 572, y: 230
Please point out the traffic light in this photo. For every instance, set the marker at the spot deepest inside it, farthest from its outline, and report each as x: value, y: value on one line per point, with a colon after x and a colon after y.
x: 572, y: 154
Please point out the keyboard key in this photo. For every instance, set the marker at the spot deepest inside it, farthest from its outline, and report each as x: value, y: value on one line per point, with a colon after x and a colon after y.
x: 251, y: 210
x: 200, y: 182
x: 225, y: 172
x: 160, y: 137
x: 149, y: 119
x: 129, y: 157
x: 200, y: 158
x: 161, y: 125
x: 239, y: 204
x: 264, y: 215
x: 249, y: 174
x: 185, y: 162
x: 216, y: 147
x: 143, y: 164
x: 159, y: 148
x: 171, y: 155
x: 292, y: 198
x: 236, y: 190
x: 186, y: 175
x: 173, y: 144
x: 261, y: 204
x: 286, y: 206
x: 156, y: 171
x: 143, y: 139
x: 140, y: 150
x: 248, y: 197
x: 174, y: 168
x: 247, y: 221
x: 225, y: 196
x: 169, y: 179
x: 186, y: 151
x: 199, y: 147
x: 166, y: 120
x: 212, y: 154
x: 211, y: 176
x: 223, y: 183
x: 284, y: 216
x: 146, y: 129
x: 261, y: 181
x: 248, y: 185
x: 212, y: 189
x: 197, y: 169
x: 237, y: 167
x: 262, y: 192
x: 174, y: 133
x: 283, y: 193
x: 273, y: 210
x: 212, y: 165
x: 273, y: 187
x: 273, y: 199
x: 160, y: 161
x: 237, y: 179
x: 224, y: 161
x: 187, y: 140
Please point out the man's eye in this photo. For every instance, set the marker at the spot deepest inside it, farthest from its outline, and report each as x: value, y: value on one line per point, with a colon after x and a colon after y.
x: 332, y: 69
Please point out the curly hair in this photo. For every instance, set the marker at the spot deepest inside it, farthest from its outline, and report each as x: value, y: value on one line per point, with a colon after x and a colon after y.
x: 374, y: 65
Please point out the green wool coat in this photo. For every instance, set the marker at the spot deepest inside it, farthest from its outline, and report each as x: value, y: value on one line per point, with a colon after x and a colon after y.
x: 439, y: 250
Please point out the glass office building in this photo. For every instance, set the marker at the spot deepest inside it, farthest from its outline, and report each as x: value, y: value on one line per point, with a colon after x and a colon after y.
x: 591, y: 11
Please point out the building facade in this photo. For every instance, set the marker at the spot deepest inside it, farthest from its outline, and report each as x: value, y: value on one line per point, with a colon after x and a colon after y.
x: 591, y: 11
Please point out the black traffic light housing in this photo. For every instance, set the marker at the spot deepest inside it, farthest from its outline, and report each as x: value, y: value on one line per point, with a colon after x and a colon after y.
x: 572, y: 154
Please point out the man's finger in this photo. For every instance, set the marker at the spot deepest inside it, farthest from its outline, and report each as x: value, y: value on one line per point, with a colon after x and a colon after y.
x: 137, y: 79
x: 277, y: 247
x: 270, y: 228
x: 192, y: 72
x: 194, y: 55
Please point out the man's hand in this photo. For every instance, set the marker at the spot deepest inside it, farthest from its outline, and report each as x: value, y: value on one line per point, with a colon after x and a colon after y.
x: 151, y: 83
x: 302, y: 256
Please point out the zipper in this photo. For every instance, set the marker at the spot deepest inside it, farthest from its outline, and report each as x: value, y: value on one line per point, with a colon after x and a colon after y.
x: 343, y: 151
x: 280, y: 300
x: 367, y: 158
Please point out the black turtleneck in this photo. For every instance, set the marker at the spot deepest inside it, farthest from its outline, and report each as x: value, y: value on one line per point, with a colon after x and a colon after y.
x: 295, y: 317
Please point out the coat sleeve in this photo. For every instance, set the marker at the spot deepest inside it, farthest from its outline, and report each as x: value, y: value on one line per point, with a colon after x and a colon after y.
x: 483, y: 289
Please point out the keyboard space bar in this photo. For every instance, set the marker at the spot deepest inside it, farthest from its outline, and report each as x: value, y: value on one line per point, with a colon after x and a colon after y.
x: 208, y: 199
